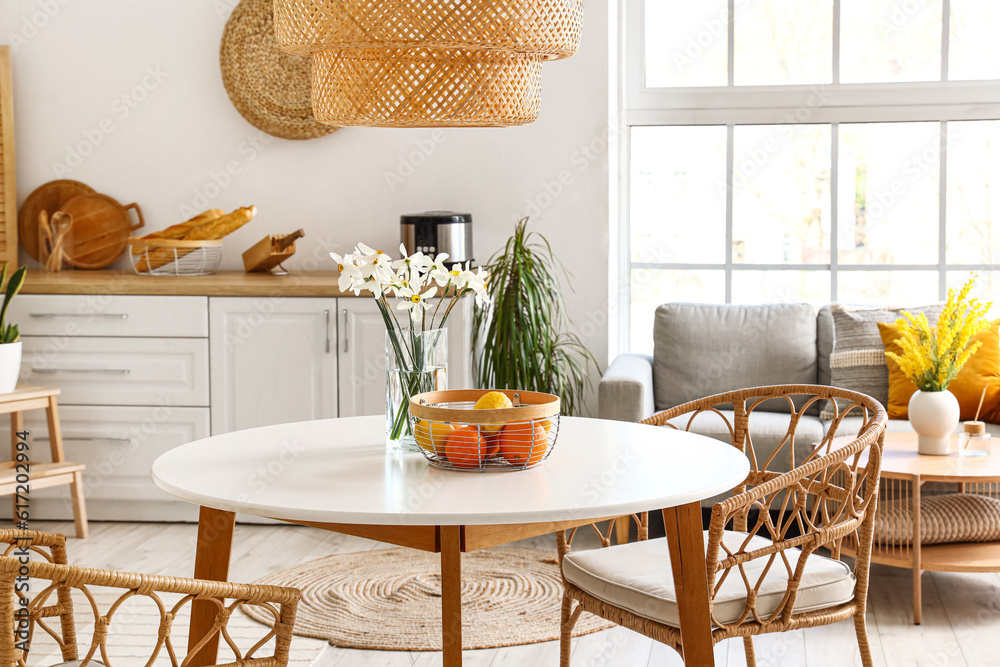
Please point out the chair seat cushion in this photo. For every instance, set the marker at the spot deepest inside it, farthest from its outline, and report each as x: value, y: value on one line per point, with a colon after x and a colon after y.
x: 638, y: 578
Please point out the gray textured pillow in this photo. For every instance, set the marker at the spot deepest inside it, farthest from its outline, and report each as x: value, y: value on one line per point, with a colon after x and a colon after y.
x: 701, y: 350
x: 858, y: 359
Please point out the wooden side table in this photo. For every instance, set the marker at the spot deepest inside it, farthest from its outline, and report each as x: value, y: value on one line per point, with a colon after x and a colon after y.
x: 42, y: 475
x: 904, y: 472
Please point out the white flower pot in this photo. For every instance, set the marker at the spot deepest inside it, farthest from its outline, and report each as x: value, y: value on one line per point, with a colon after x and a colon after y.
x: 10, y: 366
x: 934, y: 416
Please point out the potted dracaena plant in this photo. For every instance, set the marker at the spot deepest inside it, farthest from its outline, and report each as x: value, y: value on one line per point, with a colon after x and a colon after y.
x: 520, y: 339
x: 10, y: 338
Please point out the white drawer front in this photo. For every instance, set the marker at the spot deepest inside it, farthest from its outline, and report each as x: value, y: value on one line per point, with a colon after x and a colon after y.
x: 62, y: 315
x: 119, y: 371
x: 118, y: 446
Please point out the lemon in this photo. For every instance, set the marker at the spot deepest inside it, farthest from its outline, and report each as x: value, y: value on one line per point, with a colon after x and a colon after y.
x: 493, y: 400
x: 431, y: 436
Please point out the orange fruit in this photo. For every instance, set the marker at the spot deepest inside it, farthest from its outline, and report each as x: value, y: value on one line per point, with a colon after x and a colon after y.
x: 492, y: 444
x: 523, y: 443
x: 465, y: 447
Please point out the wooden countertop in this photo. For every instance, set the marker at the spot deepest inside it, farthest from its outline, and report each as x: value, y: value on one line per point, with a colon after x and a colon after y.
x: 220, y: 283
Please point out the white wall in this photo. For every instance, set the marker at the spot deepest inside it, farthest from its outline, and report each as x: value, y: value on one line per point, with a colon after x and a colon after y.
x: 171, y: 132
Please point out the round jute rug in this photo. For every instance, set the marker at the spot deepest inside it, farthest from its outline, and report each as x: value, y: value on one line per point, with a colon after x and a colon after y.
x: 390, y: 599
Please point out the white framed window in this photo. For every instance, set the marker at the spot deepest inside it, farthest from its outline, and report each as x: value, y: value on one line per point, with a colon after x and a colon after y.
x: 815, y: 150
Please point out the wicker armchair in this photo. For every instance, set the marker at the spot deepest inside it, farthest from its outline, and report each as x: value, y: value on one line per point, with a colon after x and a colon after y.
x: 26, y: 611
x: 764, y: 572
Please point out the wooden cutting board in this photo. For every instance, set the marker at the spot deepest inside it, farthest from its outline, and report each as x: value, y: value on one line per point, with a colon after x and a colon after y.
x: 49, y: 198
x: 99, y: 232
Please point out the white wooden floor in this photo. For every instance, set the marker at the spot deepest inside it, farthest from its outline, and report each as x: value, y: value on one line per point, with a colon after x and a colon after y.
x: 961, y: 624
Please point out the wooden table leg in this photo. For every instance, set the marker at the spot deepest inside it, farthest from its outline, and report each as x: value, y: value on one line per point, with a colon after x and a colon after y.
x: 215, y: 543
x: 58, y: 455
x: 79, y: 506
x: 687, y: 558
x: 451, y: 595
x: 917, y: 559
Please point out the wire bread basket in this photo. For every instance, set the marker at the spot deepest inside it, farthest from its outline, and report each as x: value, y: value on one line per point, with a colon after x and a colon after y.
x: 455, y: 436
x: 170, y: 257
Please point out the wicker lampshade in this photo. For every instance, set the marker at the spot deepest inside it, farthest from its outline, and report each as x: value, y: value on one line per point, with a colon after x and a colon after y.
x: 546, y: 27
x: 424, y: 87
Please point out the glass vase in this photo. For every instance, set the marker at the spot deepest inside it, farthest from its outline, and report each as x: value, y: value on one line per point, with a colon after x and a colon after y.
x: 415, y: 362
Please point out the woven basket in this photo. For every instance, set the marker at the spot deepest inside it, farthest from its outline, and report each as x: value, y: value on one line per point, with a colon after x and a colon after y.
x: 453, y: 435
x: 270, y: 88
x: 545, y: 27
x: 426, y: 87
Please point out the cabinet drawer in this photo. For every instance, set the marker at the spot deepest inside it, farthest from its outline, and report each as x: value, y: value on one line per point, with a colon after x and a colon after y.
x: 119, y: 371
x: 117, y: 444
x: 108, y: 315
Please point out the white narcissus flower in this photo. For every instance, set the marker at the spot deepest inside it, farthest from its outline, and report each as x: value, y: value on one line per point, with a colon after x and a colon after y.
x: 350, y: 274
x: 414, y: 302
x: 476, y: 283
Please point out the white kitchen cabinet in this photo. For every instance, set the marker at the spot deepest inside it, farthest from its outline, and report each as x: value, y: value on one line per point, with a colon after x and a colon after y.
x: 119, y: 371
x: 273, y: 360
x: 361, y: 353
x: 118, y: 444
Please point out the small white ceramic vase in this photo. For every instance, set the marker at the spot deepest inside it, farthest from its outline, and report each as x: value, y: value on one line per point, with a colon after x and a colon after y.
x: 934, y: 416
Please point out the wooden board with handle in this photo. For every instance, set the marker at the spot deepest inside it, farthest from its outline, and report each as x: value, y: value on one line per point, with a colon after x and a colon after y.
x: 100, y: 230
x: 47, y: 198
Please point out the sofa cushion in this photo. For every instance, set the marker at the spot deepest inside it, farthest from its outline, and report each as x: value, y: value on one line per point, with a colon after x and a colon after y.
x: 858, y: 360
x: 700, y: 350
x: 767, y: 430
x: 637, y: 576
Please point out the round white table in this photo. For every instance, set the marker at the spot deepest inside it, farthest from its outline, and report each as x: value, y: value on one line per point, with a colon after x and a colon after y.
x: 335, y: 474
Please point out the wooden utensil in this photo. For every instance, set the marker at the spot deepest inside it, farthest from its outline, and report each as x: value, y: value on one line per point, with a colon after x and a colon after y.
x: 270, y: 251
x: 100, y: 231
x: 49, y: 198
x: 51, y: 238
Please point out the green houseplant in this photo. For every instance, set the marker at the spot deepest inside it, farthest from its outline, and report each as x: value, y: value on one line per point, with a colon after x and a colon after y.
x: 520, y: 338
x: 10, y: 343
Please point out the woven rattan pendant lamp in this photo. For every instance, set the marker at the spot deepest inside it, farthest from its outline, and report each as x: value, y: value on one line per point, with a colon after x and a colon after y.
x: 428, y: 63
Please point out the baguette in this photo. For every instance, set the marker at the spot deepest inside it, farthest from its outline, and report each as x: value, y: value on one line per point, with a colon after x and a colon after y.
x: 220, y: 227
x: 215, y: 228
x: 179, y: 230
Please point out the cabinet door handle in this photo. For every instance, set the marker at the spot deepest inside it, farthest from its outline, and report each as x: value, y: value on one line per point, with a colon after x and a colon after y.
x: 96, y: 371
x: 114, y: 316
x: 81, y: 438
x: 326, y: 313
x: 345, y: 328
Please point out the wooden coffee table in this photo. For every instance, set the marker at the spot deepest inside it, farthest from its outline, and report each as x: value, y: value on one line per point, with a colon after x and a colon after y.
x: 904, y: 472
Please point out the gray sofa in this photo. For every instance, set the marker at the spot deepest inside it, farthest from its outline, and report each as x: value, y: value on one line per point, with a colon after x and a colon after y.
x: 701, y: 350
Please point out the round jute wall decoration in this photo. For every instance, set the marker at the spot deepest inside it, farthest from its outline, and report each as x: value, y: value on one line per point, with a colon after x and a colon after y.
x: 390, y: 599
x: 270, y: 88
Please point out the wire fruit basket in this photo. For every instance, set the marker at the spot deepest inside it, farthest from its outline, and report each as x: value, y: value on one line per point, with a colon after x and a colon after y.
x: 174, y: 257
x: 455, y: 436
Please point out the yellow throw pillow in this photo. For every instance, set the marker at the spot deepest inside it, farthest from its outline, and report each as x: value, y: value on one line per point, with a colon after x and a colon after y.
x: 981, y: 369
